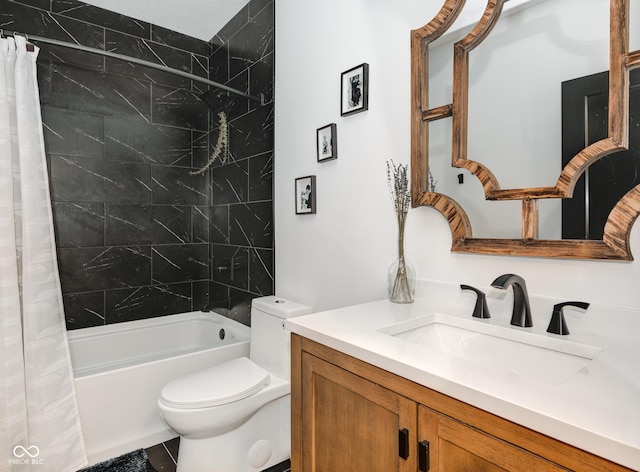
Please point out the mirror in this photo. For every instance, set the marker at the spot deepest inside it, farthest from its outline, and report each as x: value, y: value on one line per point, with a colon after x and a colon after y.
x: 501, y: 131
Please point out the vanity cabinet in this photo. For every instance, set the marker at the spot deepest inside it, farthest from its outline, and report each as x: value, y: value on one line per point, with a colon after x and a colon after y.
x: 348, y: 415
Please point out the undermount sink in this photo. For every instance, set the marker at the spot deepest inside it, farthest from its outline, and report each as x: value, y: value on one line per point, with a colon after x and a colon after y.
x: 510, y: 351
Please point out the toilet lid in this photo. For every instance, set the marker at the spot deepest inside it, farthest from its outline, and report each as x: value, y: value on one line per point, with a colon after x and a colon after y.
x: 224, y: 383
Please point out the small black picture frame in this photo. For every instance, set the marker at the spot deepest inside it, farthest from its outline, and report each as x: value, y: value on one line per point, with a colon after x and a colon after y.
x: 327, y: 143
x: 354, y: 90
x: 306, y: 195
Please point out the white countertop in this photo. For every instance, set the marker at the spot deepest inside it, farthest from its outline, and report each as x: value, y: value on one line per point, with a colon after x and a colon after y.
x: 596, y: 409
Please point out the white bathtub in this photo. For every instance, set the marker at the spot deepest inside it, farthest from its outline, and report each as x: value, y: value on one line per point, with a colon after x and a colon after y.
x: 120, y: 369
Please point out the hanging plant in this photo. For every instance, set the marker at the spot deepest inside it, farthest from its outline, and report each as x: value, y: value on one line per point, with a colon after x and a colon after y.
x: 222, y: 146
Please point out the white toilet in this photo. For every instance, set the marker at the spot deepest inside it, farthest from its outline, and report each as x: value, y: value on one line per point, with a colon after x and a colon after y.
x: 235, y: 416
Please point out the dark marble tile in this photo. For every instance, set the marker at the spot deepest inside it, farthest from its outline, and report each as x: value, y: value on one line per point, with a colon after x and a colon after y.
x: 261, y: 177
x: 200, y: 66
x: 72, y: 88
x: 76, y: 179
x: 200, y: 224
x: 218, y: 295
x: 230, y: 183
x: 145, y: 50
x: 200, y: 148
x: 128, y: 224
x: 89, y: 168
x: 42, y: 4
x: 200, y: 295
x: 251, y: 224
x: 180, y: 263
x: 83, y: 310
x: 231, y: 266
x: 172, y: 224
x: 213, y: 99
x: 34, y: 22
x: 160, y: 54
x: 147, y: 73
x: 160, y: 458
x: 147, y: 302
x: 73, y: 133
x: 253, y: 41
x: 261, y: 274
x: 62, y: 55
x: 261, y: 78
x: 78, y: 224
x: 219, y: 65
x: 219, y: 227
x: 147, y: 142
x: 231, y: 28
x: 240, y: 306
x: 179, y: 41
x: 91, y: 269
x: 147, y: 224
x: 179, y: 107
x: 235, y: 105
x: 176, y: 186
x: 256, y: 6
x: 101, y: 17
x: 40, y: 22
x: 173, y: 447
x: 252, y: 133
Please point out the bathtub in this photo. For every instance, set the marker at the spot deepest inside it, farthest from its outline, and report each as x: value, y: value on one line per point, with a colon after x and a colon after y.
x: 120, y: 369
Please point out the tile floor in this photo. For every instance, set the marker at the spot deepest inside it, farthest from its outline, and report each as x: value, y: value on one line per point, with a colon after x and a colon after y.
x: 163, y: 457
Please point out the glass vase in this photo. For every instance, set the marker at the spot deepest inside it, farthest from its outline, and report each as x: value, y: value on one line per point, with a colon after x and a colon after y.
x: 402, y: 276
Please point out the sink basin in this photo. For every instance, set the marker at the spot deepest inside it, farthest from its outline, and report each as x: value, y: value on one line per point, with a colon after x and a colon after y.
x: 511, y: 351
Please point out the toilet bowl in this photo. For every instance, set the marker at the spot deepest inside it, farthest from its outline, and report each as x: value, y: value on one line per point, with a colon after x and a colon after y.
x: 235, y: 416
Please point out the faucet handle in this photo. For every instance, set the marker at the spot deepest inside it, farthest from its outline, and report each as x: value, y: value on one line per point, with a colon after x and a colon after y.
x: 481, y: 310
x: 558, y: 324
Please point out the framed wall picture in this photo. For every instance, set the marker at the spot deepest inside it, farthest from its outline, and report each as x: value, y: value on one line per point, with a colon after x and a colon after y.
x: 354, y: 90
x: 306, y: 195
x: 327, y: 143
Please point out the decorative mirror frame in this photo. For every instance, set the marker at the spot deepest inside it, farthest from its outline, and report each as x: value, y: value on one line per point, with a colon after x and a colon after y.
x: 615, y: 242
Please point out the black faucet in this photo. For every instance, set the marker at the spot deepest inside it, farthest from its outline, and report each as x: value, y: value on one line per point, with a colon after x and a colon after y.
x: 521, y: 310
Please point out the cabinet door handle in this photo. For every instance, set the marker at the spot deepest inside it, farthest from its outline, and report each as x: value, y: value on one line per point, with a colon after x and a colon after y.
x: 403, y: 443
x: 423, y: 456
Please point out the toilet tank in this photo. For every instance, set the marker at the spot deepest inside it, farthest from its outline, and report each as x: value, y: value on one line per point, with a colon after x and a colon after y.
x: 270, y: 340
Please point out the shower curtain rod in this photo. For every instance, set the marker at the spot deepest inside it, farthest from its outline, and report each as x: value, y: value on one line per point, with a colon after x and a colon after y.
x: 122, y: 57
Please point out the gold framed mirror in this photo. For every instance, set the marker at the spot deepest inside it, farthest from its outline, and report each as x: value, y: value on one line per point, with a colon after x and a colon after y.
x: 614, y: 244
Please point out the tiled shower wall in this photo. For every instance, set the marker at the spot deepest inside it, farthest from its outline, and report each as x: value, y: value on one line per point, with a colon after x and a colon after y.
x: 133, y: 225
x: 242, y: 211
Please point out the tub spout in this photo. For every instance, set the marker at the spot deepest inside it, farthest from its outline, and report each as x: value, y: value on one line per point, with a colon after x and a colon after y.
x: 521, y: 315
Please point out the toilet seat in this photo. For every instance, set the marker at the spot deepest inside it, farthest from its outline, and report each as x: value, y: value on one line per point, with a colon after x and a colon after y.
x: 221, y: 384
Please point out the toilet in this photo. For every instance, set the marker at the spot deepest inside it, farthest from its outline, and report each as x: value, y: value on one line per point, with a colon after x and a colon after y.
x: 235, y: 416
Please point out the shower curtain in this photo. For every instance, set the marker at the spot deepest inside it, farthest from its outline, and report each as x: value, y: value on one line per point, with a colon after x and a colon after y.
x: 39, y: 422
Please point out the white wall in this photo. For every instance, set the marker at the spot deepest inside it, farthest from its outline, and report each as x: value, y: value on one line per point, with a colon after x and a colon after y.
x: 340, y: 255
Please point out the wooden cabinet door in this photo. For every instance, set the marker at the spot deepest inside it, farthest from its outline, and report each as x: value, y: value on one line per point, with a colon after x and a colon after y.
x: 457, y: 447
x: 350, y: 424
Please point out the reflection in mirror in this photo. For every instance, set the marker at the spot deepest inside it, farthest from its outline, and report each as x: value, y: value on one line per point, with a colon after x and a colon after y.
x: 605, y: 182
x: 515, y: 115
x: 506, y: 139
